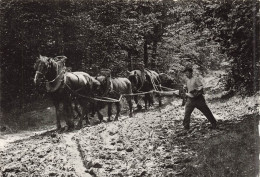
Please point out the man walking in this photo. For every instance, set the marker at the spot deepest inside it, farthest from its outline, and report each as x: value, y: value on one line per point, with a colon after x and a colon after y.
x: 195, y: 99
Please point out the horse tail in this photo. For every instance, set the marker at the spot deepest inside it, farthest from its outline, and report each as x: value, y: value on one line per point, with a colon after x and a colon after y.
x: 155, y: 80
x: 129, y: 87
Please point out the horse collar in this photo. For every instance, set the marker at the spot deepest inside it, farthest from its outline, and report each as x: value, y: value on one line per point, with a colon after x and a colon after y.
x: 57, y: 83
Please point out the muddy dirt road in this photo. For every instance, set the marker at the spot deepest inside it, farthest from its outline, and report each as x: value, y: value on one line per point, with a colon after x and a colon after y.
x: 152, y: 143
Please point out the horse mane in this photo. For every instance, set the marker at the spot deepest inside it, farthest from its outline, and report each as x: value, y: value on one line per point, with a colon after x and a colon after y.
x: 58, y: 62
x: 106, y: 80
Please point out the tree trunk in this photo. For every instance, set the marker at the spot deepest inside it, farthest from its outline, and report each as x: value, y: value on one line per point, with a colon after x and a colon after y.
x: 154, y: 54
x: 145, y: 53
x: 129, y: 60
x: 60, y: 43
x: 256, y: 47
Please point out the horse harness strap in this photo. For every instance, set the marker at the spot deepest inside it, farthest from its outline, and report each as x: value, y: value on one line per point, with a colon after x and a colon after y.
x: 59, y: 84
x: 102, y: 99
x: 142, y: 79
x: 109, y: 88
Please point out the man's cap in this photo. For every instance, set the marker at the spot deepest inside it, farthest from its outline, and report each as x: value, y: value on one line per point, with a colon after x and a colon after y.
x: 188, y: 68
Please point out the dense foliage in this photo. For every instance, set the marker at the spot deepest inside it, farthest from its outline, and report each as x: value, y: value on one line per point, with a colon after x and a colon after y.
x: 163, y: 35
x: 235, y: 26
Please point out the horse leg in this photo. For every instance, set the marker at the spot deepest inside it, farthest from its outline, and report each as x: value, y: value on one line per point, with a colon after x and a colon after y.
x: 160, y: 100
x: 109, y: 111
x: 92, y: 109
x: 95, y: 108
x: 58, y: 113
x: 83, y: 115
x: 79, y: 125
x: 68, y: 110
x: 146, y: 99
x: 118, y: 109
x: 151, y: 101
x: 76, y: 109
x: 139, y: 107
x: 85, y: 112
x: 100, y: 116
x: 129, y: 100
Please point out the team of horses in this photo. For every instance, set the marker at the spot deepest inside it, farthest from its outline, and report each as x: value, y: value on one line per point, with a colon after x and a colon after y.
x: 80, y: 88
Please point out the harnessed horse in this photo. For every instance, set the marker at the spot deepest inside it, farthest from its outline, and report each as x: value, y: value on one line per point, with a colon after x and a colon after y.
x: 145, y: 81
x: 61, y: 85
x: 173, y: 83
x: 114, y: 88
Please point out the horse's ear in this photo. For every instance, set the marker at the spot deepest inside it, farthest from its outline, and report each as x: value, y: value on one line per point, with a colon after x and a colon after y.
x: 108, y: 76
x: 135, y: 73
x: 60, y: 58
x: 96, y: 82
x: 35, y: 65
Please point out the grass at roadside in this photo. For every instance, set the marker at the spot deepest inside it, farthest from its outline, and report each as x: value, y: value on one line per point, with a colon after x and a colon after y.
x: 234, y: 152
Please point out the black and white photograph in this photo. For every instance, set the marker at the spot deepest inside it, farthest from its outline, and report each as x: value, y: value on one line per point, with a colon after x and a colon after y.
x: 129, y: 88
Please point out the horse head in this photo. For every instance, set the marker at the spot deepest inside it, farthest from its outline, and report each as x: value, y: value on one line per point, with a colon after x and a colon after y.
x: 47, y: 69
x: 135, y: 80
x: 167, y: 80
x: 105, y: 84
x: 41, y: 66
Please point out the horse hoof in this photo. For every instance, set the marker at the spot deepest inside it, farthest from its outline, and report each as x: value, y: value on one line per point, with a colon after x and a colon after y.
x: 139, y: 107
x: 100, y: 118
x: 109, y: 120
x: 70, y: 129
x: 130, y: 115
x: 71, y: 126
x: 61, y: 129
x: 58, y: 128
x: 78, y: 127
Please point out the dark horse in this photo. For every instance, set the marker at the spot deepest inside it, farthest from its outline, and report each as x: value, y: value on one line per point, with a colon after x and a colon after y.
x: 114, y: 88
x: 61, y: 85
x: 170, y: 82
x: 145, y: 81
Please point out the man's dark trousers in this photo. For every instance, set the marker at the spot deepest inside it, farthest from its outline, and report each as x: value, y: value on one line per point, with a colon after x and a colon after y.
x: 199, y: 103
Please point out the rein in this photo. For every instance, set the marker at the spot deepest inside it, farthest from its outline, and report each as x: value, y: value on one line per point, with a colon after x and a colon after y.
x: 100, y: 99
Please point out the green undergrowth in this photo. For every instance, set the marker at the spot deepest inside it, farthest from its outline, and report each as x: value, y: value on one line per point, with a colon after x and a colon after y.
x: 234, y: 152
